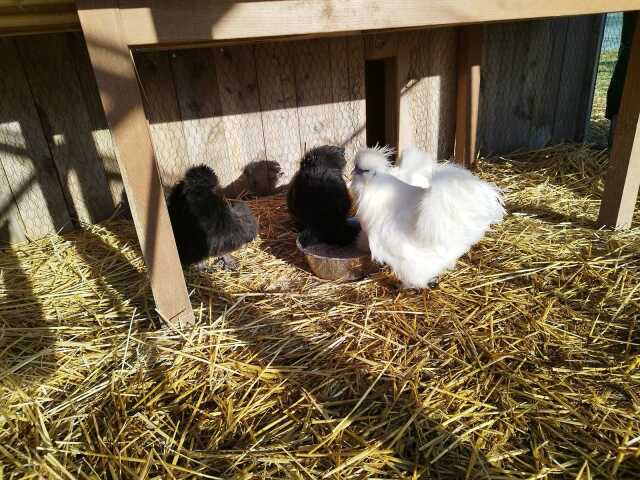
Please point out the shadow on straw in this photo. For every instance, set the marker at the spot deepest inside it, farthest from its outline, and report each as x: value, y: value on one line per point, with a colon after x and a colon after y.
x: 25, y: 338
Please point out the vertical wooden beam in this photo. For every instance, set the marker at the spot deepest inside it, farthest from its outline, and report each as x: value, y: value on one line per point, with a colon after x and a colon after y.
x: 469, y: 68
x: 115, y: 74
x: 623, y: 175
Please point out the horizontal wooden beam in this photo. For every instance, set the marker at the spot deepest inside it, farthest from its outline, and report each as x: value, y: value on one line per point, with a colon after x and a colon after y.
x: 172, y: 21
x: 149, y: 22
x: 23, y: 17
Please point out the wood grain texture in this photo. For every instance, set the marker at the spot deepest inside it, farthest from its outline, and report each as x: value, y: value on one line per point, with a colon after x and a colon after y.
x: 426, y: 74
x: 97, y: 122
x: 357, y: 108
x: 236, y: 70
x: 623, y: 176
x: 469, y: 69
x: 442, y: 70
x: 515, y: 122
x: 537, y: 82
x: 491, y: 106
x: 411, y: 128
x: 344, y: 123
x: 51, y: 72
x: 12, y: 229
x: 25, y: 156
x: 196, y: 82
x: 276, y: 84
x: 546, y: 52
x: 314, y: 93
x: 573, y: 100
x: 211, y: 19
x: 148, y: 22
x: 116, y: 76
x: 505, y: 111
x: 163, y: 114
x: 380, y: 45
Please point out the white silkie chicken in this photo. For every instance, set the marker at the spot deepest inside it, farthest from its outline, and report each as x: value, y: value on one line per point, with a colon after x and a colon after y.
x: 420, y: 217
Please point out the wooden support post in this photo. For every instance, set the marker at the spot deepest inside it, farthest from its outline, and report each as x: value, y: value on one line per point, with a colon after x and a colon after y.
x: 115, y: 74
x: 623, y: 176
x: 469, y: 67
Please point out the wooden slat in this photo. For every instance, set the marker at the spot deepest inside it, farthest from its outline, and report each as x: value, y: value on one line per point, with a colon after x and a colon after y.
x: 426, y: 75
x: 492, y: 105
x: 380, y: 45
x: 357, y: 108
x: 276, y: 83
x: 442, y: 69
x: 546, y: 52
x: 314, y: 93
x: 573, y: 102
x: 171, y: 22
x: 345, y: 125
x: 236, y: 70
x: 504, y: 126
x: 623, y: 177
x: 425, y: 94
x: 12, y: 227
x: 163, y: 113
x: 537, y: 82
x: 291, y: 17
x: 24, y: 154
x: 51, y: 72
x: 196, y: 83
x: 98, y: 123
x: 469, y: 65
x: 408, y: 83
x: 116, y: 78
x: 514, y: 125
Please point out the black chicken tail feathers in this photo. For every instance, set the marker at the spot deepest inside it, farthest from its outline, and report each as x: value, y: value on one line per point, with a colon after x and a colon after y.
x: 200, y: 176
x: 325, y: 156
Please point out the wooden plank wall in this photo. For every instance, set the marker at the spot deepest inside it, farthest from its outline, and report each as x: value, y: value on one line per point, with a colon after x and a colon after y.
x: 536, y: 82
x: 250, y: 111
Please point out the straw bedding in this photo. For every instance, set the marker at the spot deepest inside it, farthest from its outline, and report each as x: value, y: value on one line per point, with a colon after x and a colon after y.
x: 523, y: 364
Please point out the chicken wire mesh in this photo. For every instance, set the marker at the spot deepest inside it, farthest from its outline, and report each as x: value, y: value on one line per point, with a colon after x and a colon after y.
x: 598, y: 130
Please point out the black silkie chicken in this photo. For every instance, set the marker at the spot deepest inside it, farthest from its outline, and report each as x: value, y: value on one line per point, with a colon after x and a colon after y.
x: 319, y: 200
x: 204, y: 225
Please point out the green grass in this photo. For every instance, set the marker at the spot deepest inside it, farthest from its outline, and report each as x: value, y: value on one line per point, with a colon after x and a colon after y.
x: 598, y: 130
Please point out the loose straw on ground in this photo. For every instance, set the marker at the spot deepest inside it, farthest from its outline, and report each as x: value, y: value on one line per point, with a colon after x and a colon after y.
x: 523, y: 364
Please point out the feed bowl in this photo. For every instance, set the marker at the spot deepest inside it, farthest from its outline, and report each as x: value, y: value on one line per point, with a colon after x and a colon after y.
x: 331, y: 262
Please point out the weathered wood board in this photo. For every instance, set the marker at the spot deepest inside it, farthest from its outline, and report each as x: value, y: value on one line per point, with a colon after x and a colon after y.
x: 537, y: 82
x: 32, y: 189
x: 163, y: 114
x: 50, y: 68
x: 249, y: 111
x: 196, y: 83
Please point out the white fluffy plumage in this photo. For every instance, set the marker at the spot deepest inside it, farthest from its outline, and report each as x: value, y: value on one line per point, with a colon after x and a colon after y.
x: 420, y: 217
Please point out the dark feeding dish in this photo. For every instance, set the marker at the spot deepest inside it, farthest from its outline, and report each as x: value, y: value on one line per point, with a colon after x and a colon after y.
x: 332, y: 262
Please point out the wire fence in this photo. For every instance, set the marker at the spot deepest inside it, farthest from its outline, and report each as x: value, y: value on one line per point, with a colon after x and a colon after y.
x: 612, y: 33
x: 598, y: 130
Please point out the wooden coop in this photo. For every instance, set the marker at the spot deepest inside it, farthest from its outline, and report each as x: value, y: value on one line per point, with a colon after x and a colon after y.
x: 247, y: 86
